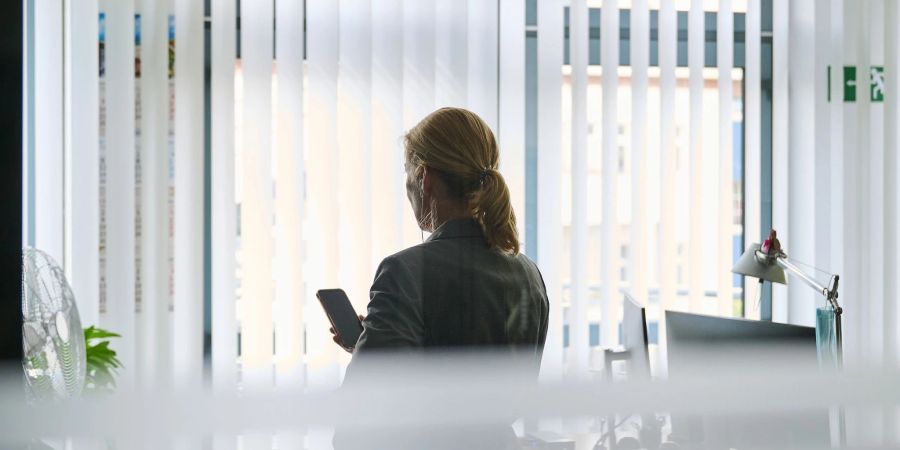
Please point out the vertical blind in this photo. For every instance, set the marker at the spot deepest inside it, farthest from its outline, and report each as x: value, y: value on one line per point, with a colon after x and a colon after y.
x: 305, y: 166
x: 637, y: 185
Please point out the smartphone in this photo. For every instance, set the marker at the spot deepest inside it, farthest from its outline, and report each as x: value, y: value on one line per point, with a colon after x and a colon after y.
x: 340, y: 313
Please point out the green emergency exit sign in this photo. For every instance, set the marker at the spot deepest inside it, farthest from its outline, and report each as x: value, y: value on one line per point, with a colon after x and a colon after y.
x: 850, y: 84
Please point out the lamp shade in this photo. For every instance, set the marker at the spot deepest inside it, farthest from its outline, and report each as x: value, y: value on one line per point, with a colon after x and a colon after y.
x: 752, y: 266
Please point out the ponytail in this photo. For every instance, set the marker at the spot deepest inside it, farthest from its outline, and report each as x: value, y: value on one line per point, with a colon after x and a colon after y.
x: 493, y: 210
x: 461, y: 147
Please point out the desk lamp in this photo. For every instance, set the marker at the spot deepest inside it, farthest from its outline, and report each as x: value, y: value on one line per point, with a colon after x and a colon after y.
x: 768, y: 262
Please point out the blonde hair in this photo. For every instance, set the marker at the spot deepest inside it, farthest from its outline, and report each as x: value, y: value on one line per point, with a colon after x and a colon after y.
x: 461, y: 148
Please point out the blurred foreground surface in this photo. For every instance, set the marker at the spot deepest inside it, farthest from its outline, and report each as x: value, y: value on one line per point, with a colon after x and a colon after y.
x: 739, y: 397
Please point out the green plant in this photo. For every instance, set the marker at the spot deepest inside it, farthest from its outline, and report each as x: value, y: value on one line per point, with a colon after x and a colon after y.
x: 102, y: 363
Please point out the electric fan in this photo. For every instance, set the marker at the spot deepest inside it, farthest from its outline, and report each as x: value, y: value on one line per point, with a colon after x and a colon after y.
x: 53, y: 339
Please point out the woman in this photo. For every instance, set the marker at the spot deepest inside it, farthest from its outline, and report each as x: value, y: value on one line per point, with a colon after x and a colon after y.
x: 466, y: 287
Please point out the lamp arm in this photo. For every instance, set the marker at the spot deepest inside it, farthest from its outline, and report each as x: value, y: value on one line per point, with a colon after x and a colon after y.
x: 829, y: 292
x: 789, y: 266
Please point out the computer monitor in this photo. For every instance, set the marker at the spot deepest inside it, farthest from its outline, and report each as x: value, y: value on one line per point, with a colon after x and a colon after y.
x: 696, y: 343
x: 694, y: 339
x: 634, y: 338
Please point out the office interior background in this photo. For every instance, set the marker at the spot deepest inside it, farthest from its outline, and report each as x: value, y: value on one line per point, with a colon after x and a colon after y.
x: 200, y: 169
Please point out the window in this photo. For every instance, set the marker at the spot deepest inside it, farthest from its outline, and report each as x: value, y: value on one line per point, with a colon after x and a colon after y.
x: 710, y: 210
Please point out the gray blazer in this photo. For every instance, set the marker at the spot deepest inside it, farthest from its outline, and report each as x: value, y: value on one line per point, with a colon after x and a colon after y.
x: 453, y: 292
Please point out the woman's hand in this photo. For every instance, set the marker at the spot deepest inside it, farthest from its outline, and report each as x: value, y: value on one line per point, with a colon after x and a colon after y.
x: 337, y: 341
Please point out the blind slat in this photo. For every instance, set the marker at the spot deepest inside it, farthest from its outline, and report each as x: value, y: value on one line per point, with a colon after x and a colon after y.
x: 482, y: 60
x: 666, y: 234
x: 549, y: 226
x: 609, y: 240
x: 189, y: 173
x: 289, y: 179
x: 578, y: 317
x: 354, y: 150
x: 696, y: 45
x: 119, y: 314
x: 321, y: 155
x: 725, y: 61
x: 49, y: 162
x: 511, y: 123
x: 451, y: 55
x: 83, y: 176
x: 802, y: 140
x: 419, y: 44
x: 891, y: 147
x: 820, y: 224
x: 753, y: 158
x: 154, y: 318
x: 224, y: 208
x: 388, y: 175
x: 256, y: 207
x: 780, y: 64
x: 873, y: 189
x: 640, y: 60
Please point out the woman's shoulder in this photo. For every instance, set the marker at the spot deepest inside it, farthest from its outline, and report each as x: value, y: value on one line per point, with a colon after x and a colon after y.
x: 403, y: 262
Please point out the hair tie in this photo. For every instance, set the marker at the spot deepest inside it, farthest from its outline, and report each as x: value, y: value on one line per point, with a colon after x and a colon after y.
x: 484, y: 174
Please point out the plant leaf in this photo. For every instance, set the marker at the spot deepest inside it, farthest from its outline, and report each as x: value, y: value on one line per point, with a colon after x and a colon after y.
x: 93, y: 332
